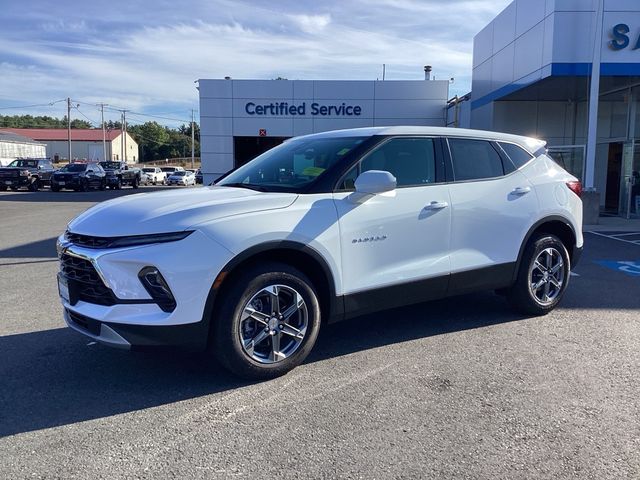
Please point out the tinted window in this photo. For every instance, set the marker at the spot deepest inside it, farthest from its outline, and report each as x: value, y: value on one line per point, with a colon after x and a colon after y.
x: 410, y: 160
x: 518, y: 155
x: 474, y: 159
x: 74, y: 167
x: 292, y: 165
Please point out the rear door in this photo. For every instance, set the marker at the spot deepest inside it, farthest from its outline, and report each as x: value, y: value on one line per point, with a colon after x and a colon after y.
x: 493, y: 206
x: 395, y: 245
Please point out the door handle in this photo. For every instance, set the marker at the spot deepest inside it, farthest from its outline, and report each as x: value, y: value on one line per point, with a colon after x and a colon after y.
x: 521, y: 190
x: 436, y: 205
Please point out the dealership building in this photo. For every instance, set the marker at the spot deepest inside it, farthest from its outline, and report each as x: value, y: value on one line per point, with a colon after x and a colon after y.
x: 532, y: 68
x: 240, y: 119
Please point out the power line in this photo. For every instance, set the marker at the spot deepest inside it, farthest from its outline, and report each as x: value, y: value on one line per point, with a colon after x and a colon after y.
x: 50, y: 104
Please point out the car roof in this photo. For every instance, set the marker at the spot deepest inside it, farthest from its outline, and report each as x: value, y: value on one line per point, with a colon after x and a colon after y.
x: 528, y: 143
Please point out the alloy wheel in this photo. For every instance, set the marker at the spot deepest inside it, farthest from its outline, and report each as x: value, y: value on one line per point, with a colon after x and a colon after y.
x: 273, y: 324
x: 547, y: 276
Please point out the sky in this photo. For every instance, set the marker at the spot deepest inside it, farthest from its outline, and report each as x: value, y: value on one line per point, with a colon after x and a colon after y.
x: 145, y: 55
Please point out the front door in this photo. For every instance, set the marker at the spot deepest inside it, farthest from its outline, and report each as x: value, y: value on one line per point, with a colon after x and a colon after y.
x: 395, y: 245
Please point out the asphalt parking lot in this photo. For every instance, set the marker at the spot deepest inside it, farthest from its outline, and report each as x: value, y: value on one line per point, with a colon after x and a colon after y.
x: 459, y: 388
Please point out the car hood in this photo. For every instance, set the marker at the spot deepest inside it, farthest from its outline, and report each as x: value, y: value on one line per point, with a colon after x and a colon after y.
x: 172, y: 211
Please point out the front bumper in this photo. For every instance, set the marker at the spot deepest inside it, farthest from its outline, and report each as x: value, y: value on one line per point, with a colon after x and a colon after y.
x: 15, y: 181
x: 189, y: 267
x: 193, y: 336
x: 68, y: 182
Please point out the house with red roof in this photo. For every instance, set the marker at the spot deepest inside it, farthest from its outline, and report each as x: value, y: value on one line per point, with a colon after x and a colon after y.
x: 86, y: 143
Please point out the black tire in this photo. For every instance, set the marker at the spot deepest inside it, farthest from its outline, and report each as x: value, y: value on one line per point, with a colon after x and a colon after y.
x: 14, y: 188
x: 3, y: 188
x: 84, y: 186
x: 135, y: 183
x: 103, y: 185
x: 225, y: 329
x: 521, y: 295
x: 34, y: 186
x: 118, y: 185
x: 55, y: 188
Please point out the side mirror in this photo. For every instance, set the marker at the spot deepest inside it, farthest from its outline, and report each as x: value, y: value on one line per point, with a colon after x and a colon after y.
x: 375, y: 181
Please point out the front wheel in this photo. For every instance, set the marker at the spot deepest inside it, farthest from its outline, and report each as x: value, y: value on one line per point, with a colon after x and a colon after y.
x: 543, y: 276
x: 268, y: 321
x: 135, y: 183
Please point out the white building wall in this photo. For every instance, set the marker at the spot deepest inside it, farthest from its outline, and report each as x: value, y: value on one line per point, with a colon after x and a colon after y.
x: 9, y: 151
x: 82, y: 150
x: 223, y: 110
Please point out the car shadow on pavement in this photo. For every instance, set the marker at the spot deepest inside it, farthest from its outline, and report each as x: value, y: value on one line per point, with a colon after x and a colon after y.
x: 39, y: 249
x: 56, y: 377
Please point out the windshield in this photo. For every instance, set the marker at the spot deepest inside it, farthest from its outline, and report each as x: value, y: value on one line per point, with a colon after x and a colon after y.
x: 168, y: 169
x: 24, y: 163
x: 74, y: 167
x: 293, y: 165
x: 110, y: 165
x: 178, y: 174
x: 149, y: 170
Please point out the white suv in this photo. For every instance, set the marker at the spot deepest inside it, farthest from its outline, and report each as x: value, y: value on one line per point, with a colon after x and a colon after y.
x: 322, y: 228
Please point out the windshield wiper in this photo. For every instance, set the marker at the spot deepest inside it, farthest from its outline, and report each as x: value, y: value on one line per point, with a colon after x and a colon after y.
x: 250, y: 186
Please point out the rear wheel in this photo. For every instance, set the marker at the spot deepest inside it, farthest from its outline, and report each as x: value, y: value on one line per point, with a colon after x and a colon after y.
x: 543, y: 276
x: 3, y: 188
x: 55, y: 188
x: 268, y: 321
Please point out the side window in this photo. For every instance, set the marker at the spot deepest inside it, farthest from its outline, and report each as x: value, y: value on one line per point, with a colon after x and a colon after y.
x: 474, y: 159
x: 518, y: 155
x: 410, y: 160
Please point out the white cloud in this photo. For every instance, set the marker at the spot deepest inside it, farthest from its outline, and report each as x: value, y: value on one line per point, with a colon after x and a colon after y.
x: 154, y: 65
x: 311, y: 23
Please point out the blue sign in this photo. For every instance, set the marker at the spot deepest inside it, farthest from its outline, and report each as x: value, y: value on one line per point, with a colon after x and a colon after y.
x: 620, y: 38
x: 300, y: 109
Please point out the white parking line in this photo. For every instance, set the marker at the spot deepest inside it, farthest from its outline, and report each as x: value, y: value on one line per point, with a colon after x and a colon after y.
x: 632, y: 242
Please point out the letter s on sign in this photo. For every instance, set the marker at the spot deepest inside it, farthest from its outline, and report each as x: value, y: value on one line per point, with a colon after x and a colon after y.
x: 620, y: 38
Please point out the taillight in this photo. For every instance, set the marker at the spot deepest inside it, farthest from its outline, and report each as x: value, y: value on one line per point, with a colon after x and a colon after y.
x: 575, y: 187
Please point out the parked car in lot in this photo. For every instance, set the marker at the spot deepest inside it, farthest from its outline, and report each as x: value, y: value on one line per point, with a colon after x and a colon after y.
x: 120, y: 174
x: 156, y: 175
x: 79, y: 177
x: 31, y: 173
x: 319, y: 229
x: 170, y: 170
x: 182, y: 177
x: 199, y: 177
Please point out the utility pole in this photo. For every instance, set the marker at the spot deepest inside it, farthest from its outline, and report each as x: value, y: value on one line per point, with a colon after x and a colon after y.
x: 104, y: 133
x: 124, y: 126
x: 193, y: 142
x: 121, y: 135
x: 69, y: 127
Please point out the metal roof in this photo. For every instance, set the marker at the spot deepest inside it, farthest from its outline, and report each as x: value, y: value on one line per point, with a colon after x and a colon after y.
x: 60, y: 134
x: 7, y: 136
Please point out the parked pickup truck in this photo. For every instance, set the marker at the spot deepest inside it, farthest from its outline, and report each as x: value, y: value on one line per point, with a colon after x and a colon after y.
x: 119, y: 174
x: 156, y: 176
x: 31, y: 173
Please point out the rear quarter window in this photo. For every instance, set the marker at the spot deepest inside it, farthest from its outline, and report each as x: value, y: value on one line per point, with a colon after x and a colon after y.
x: 474, y: 159
x: 518, y: 155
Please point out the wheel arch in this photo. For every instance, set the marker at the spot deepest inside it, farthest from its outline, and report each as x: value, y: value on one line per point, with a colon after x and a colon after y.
x: 298, y: 255
x: 555, y: 225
